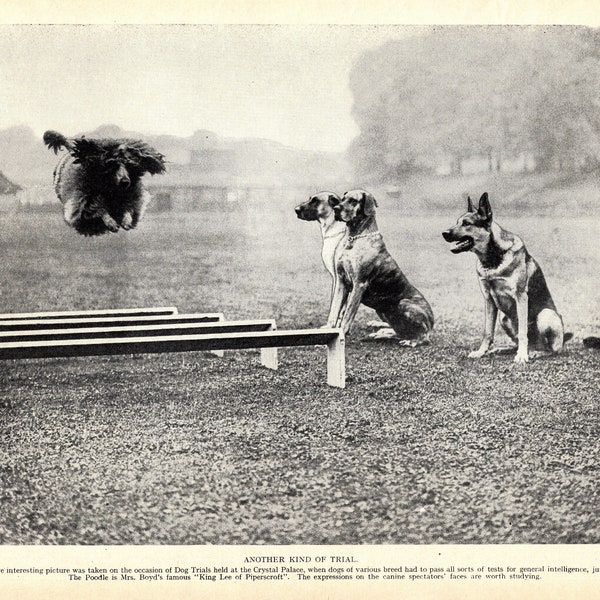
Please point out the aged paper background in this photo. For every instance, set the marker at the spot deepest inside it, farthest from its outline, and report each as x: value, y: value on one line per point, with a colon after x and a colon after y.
x: 308, y: 12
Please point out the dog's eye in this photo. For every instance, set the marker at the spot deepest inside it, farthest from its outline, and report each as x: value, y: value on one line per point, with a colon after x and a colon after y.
x: 466, y: 223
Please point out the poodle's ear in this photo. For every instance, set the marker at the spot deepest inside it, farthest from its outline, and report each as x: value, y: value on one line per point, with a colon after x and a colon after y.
x: 153, y: 162
x: 85, y: 150
x: 148, y: 158
x: 144, y: 156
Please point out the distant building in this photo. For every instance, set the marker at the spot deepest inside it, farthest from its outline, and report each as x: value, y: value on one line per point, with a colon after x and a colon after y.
x: 186, y: 188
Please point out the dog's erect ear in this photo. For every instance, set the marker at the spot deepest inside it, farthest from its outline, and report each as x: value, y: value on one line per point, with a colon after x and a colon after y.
x: 485, y: 209
x: 470, y: 205
x: 369, y: 204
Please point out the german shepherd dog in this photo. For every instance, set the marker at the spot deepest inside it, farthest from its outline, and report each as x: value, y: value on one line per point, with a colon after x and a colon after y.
x: 511, y: 282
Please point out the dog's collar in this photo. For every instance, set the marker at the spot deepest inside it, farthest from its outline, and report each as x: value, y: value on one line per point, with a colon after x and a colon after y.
x: 351, y: 238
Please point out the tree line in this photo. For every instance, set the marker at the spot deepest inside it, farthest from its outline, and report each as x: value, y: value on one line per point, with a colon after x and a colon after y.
x: 496, y: 92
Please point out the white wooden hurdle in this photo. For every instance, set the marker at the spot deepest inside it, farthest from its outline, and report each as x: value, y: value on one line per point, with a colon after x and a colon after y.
x: 79, y: 314
x: 53, y: 336
x: 106, y: 321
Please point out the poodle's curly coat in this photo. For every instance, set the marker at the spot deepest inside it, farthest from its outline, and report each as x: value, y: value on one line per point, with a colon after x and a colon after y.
x: 99, y: 182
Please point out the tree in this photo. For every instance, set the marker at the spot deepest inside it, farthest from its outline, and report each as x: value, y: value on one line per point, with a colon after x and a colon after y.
x: 490, y: 91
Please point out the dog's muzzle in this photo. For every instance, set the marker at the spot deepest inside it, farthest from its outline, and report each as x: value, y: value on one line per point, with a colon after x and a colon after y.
x: 122, y: 177
x: 463, y: 243
x: 303, y: 214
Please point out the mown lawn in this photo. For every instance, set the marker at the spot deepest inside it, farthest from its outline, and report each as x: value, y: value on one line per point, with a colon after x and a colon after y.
x: 423, y: 446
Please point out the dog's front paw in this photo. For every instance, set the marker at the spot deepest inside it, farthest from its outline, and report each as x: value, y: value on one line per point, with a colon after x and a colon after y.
x: 521, y: 357
x: 127, y: 221
x: 477, y: 353
x: 377, y: 324
x: 110, y: 223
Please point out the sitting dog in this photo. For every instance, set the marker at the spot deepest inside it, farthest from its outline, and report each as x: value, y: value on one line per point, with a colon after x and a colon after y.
x: 367, y: 273
x: 99, y: 183
x: 511, y: 282
x: 317, y: 208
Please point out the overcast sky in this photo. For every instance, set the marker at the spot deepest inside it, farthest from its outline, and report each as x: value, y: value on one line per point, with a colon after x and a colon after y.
x: 286, y: 83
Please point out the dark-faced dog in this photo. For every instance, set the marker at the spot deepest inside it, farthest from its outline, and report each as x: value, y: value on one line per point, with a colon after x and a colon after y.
x: 367, y: 274
x: 317, y: 208
x: 99, y: 183
x: 511, y: 282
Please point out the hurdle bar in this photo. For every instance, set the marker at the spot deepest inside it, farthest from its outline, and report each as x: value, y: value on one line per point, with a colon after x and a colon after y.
x: 152, y: 344
x: 268, y: 357
x: 110, y: 321
x: 98, y: 320
x: 79, y: 314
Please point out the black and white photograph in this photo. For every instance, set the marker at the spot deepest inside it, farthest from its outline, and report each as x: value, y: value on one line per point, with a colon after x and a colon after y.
x: 299, y: 284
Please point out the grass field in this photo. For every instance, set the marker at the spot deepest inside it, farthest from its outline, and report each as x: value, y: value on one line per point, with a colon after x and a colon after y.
x: 423, y: 446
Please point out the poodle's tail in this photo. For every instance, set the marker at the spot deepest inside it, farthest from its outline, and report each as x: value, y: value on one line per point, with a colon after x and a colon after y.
x: 55, y: 141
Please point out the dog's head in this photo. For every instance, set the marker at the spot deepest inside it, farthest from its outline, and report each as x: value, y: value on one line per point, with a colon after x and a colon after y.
x: 317, y: 207
x: 122, y: 161
x: 472, y: 230
x: 355, y: 205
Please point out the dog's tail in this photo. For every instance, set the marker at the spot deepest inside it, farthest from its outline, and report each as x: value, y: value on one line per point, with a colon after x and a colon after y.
x: 55, y: 141
x: 592, y: 342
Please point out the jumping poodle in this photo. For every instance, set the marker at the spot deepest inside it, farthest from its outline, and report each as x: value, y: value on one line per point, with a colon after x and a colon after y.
x: 99, y: 182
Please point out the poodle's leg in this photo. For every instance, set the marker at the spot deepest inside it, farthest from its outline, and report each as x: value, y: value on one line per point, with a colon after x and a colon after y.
x: 127, y: 221
x: 97, y: 210
x: 73, y: 210
x: 109, y: 221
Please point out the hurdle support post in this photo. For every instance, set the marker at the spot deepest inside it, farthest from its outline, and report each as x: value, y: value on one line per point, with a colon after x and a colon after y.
x: 219, y: 353
x: 268, y: 356
x: 336, y: 362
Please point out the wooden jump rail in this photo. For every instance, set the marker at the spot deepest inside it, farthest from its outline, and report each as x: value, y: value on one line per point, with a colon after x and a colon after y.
x: 97, y: 336
x: 79, y: 314
x: 110, y: 321
x: 39, y: 335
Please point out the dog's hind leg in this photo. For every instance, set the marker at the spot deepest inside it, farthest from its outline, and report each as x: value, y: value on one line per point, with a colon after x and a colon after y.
x: 550, y: 330
x: 410, y: 323
x: 384, y: 331
x: 72, y: 210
